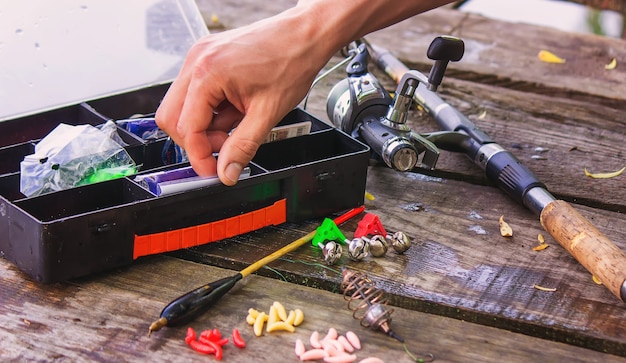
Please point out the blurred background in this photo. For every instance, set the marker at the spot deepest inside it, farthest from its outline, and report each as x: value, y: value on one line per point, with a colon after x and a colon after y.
x: 602, y: 17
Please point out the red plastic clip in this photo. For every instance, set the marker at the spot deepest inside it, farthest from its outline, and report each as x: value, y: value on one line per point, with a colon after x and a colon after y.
x: 370, y: 224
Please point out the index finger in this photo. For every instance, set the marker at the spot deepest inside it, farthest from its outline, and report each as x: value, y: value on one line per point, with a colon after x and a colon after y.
x: 168, y: 113
x: 201, y: 99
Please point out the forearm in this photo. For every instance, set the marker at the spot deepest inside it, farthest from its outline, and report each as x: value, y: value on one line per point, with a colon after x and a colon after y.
x: 335, y: 23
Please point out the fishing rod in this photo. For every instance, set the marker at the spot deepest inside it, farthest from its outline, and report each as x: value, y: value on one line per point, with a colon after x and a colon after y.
x: 361, y: 107
x: 195, y: 302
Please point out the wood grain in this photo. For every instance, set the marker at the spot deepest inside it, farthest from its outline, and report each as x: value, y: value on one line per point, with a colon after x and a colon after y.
x: 459, y: 265
x: 557, y: 120
x: 105, y: 318
x: 489, y: 59
x: 462, y: 291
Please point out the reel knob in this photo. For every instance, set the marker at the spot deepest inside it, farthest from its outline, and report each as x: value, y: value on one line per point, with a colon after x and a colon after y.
x: 443, y: 49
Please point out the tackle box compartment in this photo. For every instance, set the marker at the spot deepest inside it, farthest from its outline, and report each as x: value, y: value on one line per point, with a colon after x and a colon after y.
x: 91, y: 228
x: 123, y: 68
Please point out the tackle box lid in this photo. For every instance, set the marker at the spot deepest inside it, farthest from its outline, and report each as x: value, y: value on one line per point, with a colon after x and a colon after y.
x: 57, y: 53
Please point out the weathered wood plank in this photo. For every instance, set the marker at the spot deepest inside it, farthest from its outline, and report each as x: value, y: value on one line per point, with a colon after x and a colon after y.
x: 233, y: 14
x: 523, y: 104
x: 105, y: 318
x: 460, y: 266
x: 505, y: 54
x: 556, y: 138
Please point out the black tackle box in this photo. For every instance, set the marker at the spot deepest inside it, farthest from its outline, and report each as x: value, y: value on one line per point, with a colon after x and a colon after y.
x: 91, y: 228
x: 79, y: 64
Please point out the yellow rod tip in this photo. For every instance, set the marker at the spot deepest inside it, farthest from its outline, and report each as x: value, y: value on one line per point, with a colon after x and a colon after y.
x: 157, y: 325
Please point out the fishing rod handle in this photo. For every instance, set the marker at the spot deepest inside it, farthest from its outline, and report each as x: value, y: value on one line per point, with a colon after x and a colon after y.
x: 596, y: 252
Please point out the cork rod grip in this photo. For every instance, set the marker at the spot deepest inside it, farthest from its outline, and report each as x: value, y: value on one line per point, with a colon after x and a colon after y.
x: 587, y: 244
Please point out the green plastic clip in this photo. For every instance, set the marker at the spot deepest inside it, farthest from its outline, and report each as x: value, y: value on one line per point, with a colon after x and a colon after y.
x: 328, y: 231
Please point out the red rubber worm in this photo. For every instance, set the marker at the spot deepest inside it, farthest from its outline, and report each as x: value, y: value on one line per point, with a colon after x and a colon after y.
x: 237, y: 339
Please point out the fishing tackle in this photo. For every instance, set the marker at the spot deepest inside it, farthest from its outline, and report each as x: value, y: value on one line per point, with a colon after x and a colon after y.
x: 400, y: 242
x: 331, y: 250
x: 358, y: 249
x: 187, y: 306
x: 367, y: 303
x: 378, y: 245
x: 360, y: 106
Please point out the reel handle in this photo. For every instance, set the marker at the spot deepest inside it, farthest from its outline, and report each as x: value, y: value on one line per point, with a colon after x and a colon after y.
x: 443, y: 50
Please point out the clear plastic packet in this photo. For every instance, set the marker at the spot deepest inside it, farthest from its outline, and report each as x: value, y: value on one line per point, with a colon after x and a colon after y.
x: 70, y: 156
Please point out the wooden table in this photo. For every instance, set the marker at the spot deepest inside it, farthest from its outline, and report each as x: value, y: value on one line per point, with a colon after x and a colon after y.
x: 462, y: 292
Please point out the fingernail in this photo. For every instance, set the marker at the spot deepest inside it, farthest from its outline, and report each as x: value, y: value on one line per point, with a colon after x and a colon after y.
x: 233, y: 171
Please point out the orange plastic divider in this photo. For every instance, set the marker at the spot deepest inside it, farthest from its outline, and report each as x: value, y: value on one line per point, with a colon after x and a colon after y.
x: 177, y: 239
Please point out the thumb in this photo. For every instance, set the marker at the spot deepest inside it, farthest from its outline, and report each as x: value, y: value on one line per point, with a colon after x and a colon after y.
x: 241, y: 146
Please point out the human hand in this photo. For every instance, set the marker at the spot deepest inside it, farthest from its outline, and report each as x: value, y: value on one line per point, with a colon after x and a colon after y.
x: 251, y: 77
x: 248, y: 79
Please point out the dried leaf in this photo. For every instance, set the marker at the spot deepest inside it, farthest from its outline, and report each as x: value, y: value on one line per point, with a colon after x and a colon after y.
x: 482, y: 115
x: 611, y: 65
x: 540, y: 238
x: 596, y: 280
x: 549, y: 57
x: 369, y: 196
x: 541, y: 247
x: 549, y: 289
x: 604, y: 175
x: 505, y: 229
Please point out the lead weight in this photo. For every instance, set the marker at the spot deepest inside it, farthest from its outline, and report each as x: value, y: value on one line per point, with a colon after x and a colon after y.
x: 400, y: 242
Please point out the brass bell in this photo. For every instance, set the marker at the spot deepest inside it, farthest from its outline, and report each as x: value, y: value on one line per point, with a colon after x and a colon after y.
x: 378, y: 245
x: 358, y: 249
x: 400, y: 242
x: 332, y: 252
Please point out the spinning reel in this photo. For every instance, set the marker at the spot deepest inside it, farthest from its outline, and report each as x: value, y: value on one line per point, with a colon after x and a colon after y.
x: 360, y: 106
